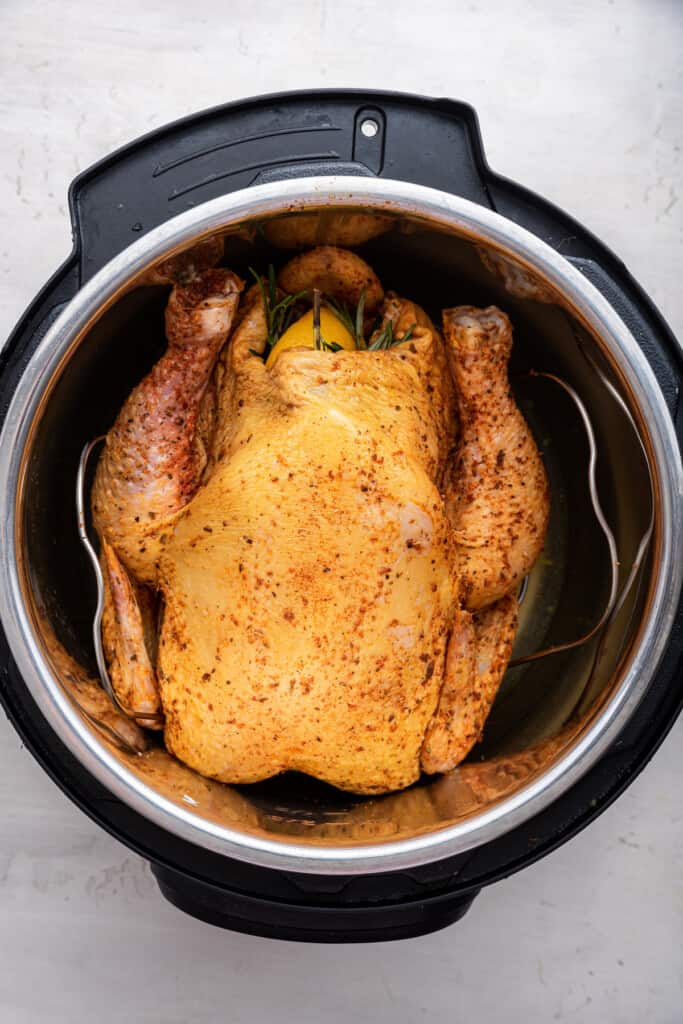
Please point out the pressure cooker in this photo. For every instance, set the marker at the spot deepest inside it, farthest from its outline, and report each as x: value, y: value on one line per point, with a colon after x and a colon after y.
x: 291, y: 857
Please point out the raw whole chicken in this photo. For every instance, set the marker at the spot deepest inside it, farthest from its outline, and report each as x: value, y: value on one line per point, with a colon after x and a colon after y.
x: 312, y: 559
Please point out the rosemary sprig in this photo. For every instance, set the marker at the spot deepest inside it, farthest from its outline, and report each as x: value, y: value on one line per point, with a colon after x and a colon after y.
x: 341, y: 313
x: 317, y: 336
x: 384, y: 338
x: 353, y: 324
x: 360, y: 321
x: 279, y: 312
x: 319, y: 341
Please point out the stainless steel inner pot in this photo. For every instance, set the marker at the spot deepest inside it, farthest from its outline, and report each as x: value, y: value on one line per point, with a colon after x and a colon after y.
x: 553, y: 718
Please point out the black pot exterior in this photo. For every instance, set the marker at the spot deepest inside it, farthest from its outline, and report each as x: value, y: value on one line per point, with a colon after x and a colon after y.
x: 233, y: 147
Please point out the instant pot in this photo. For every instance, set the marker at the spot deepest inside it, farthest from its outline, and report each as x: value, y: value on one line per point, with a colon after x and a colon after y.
x: 293, y: 858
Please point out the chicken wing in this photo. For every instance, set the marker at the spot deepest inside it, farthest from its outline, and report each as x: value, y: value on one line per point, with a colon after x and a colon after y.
x: 478, y: 653
x: 126, y: 646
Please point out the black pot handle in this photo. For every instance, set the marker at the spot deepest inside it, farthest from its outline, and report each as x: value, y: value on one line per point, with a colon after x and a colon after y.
x: 310, y: 922
x: 432, y: 142
x: 603, y: 269
x: 33, y: 326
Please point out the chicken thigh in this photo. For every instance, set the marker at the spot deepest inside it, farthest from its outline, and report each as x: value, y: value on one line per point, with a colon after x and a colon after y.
x: 337, y: 574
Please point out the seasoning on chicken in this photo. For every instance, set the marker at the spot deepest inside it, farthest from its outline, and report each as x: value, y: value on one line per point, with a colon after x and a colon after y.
x: 497, y: 497
x: 337, y: 559
x: 325, y: 227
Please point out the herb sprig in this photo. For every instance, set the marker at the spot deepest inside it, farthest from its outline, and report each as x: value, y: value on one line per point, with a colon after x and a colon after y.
x: 319, y: 341
x: 355, y: 324
x: 279, y: 313
x: 384, y: 337
x: 381, y: 334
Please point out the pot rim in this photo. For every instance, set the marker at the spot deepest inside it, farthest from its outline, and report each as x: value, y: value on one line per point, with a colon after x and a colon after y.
x: 468, y: 220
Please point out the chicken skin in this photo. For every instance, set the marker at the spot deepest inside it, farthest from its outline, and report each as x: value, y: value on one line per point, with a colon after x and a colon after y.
x: 336, y: 559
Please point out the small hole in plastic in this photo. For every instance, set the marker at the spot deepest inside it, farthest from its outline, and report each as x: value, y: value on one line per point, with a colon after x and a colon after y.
x: 369, y: 128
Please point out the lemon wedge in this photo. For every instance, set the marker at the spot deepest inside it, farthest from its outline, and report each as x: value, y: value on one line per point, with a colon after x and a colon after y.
x: 302, y: 335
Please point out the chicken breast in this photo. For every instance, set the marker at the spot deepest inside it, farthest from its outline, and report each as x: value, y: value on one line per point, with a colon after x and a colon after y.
x: 309, y: 586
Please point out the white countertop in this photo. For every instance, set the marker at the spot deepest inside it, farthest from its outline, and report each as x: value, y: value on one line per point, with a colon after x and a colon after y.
x: 582, y: 101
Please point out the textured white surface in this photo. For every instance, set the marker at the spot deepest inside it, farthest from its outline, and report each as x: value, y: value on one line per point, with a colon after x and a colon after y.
x: 582, y: 100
